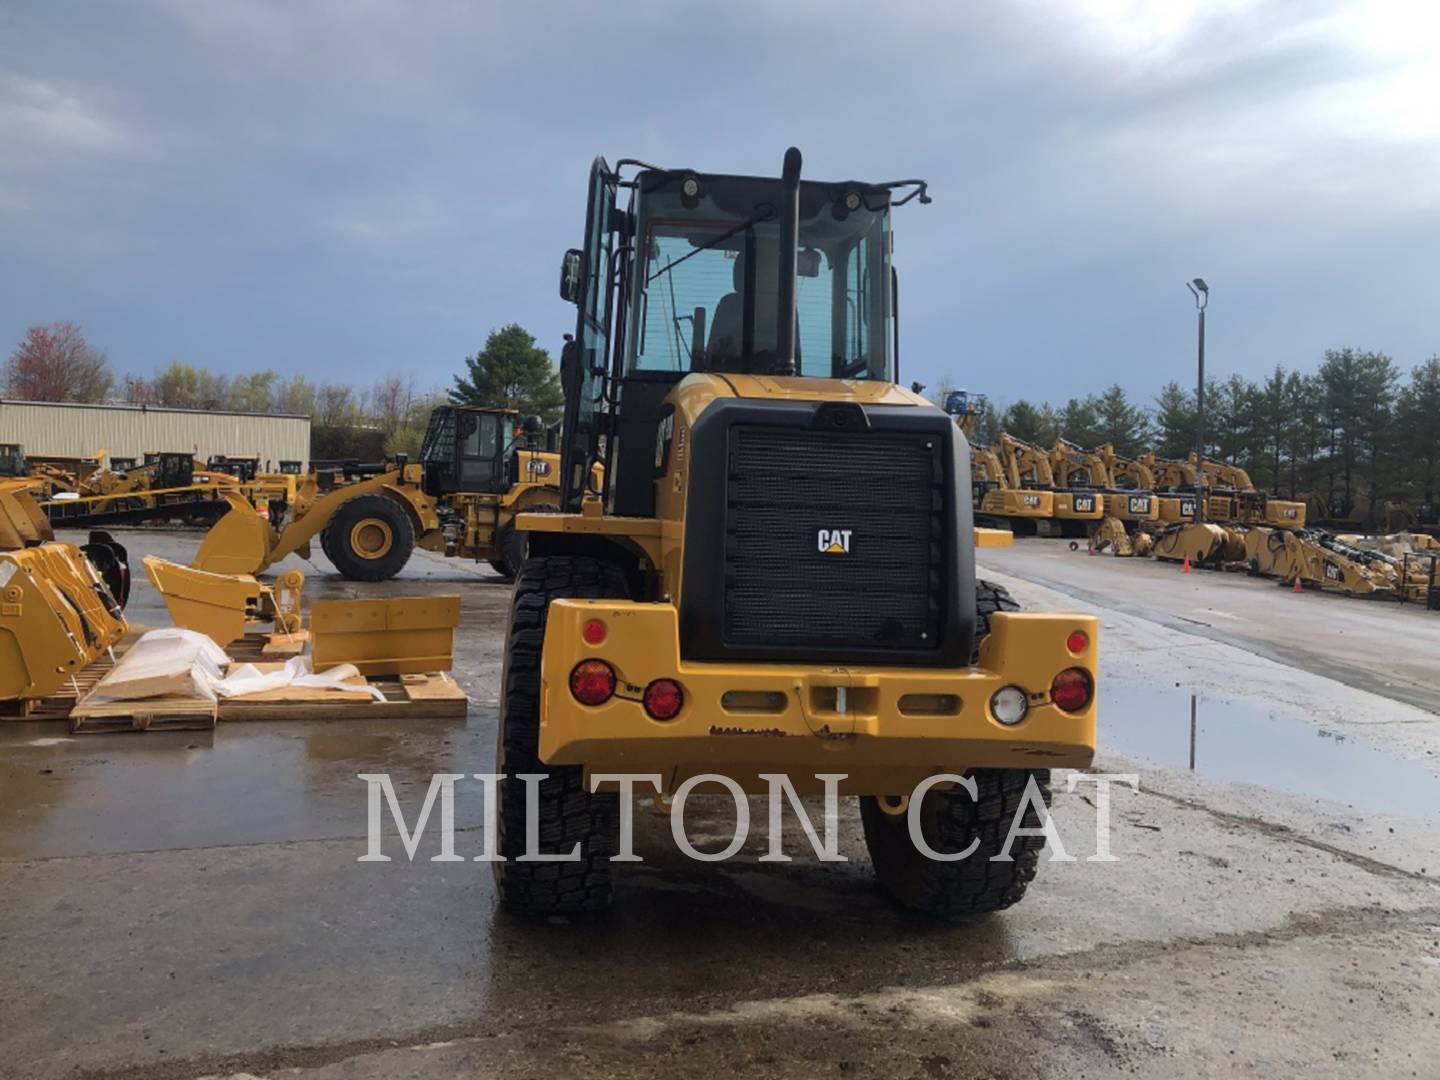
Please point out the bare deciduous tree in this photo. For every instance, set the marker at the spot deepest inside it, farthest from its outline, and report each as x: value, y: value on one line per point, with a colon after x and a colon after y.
x: 390, y: 401
x: 56, y: 363
x: 334, y: 406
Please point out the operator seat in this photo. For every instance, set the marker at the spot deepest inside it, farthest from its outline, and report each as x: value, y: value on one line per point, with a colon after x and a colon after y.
x: 725, y: 350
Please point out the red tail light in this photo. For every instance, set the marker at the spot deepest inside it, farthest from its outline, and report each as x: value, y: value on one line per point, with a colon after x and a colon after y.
x: 663, y: 699
x: 592, y: 682
x: 1073, y: 689
x: 1077, y: 642
x: 593, y: 632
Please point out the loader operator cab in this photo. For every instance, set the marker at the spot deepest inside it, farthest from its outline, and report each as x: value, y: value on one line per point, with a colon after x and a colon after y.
x: 12, y: 459
x: 473, y: 449
x: 243, y: 469
x: 687, y: 277
x: 170, y: 469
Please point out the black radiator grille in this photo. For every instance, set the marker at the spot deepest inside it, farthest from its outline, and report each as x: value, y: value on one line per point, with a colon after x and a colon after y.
x: 885, y: 489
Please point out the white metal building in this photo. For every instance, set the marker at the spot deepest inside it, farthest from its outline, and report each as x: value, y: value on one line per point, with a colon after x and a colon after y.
x: 69, y: 430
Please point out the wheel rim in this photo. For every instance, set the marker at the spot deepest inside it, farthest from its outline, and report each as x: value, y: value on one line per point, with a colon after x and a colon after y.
x: 371, y: 538
x: 894, y: 806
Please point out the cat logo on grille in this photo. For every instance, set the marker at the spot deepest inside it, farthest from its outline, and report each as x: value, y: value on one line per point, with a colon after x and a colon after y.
x: 833, y: 541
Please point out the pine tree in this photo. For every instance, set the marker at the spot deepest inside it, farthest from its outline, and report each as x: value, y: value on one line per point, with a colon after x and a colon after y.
x: 1174, y: 422
x: 1124, y: 426
x: 1025, y: 422
x: 1417, y: 415
x: 511, y: 372
x: 1079, y: 421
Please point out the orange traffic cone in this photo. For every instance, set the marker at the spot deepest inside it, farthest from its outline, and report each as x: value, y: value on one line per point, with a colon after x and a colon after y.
x: 1186, y: 568
x: 1298, y: 587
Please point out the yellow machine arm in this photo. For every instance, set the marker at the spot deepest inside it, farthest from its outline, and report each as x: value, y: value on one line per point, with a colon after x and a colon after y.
x: 1222, y: 475
x: 1026, y: 461
x: 1065, y: 456
x: 242, y: 542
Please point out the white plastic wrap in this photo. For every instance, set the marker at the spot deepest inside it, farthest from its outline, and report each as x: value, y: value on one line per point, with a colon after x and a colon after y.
x: 248, y: 679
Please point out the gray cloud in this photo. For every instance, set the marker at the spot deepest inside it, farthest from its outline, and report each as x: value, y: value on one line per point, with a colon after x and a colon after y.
x: 363, y: 187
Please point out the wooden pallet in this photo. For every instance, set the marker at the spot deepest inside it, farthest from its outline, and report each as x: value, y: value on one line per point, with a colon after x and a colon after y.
x: 152, y: 714
x: 407, y: 697
x: 57, y: 706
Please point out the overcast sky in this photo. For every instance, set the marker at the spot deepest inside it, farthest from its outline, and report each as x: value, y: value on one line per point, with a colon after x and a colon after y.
x: 354, y: 188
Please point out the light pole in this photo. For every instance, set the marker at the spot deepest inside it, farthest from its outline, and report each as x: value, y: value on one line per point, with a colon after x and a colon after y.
x: 1201, y: 292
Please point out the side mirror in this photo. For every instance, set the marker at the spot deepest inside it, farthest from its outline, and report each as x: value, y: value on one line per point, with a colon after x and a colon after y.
x: 570, y: 274
x: 570, y: 367
x: 807, y: 263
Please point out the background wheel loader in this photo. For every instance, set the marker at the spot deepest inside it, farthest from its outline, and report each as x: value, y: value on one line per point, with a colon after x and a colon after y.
x: 778, y: 573
x: 166, y: 486
x: 476, y: 472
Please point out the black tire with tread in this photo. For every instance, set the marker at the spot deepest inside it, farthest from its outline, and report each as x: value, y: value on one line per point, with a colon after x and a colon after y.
x: 353, y: 511
x: 511, y: 543
x: 989, y: 598
x: 569, y: 813
x: 951, y: 820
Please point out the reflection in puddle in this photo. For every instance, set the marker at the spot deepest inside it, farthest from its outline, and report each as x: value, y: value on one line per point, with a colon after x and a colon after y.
x: 1232, y: 742
x: 240, y: 784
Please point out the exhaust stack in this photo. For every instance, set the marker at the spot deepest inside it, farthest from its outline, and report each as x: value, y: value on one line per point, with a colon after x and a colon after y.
x: 789, y: 247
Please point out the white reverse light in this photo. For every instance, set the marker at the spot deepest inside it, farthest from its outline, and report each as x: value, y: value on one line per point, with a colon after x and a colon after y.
x: 1008, y: 705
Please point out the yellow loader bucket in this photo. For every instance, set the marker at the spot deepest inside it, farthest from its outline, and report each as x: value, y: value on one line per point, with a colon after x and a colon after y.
x: 56, y: 616
x: 222, y: 606
x: 241, y: 542
x: 22, y: 522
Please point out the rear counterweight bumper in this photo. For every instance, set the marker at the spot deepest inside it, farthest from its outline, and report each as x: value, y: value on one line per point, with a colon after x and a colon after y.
x: 885, y: 728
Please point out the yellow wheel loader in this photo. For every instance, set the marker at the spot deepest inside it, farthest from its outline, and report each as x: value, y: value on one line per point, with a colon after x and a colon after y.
x: 475, y: 474
x: 778, y: 576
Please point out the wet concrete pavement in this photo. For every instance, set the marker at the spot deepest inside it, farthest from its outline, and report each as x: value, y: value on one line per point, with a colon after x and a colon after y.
x: 176, y: 905
x: 1377, y: 645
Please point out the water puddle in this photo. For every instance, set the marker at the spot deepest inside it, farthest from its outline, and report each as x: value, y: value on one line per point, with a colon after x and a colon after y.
x: 240, y: 784
x: 1238, y: 743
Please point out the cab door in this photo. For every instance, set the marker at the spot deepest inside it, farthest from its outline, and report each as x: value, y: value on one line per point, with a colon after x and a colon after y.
x: 583, y: 362
x: 479, y: 442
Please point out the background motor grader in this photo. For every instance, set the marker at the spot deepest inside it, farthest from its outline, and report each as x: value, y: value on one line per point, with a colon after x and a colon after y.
x: 476, y: 472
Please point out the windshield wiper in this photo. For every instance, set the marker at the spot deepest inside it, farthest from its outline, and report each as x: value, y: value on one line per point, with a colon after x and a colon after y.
x: 764, y: 214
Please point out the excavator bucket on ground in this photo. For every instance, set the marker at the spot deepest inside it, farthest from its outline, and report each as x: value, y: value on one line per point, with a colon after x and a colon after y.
x: 57, y: 613
x: 1202, y: 544
x: 1112, y: 536
x: 223, y: 606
